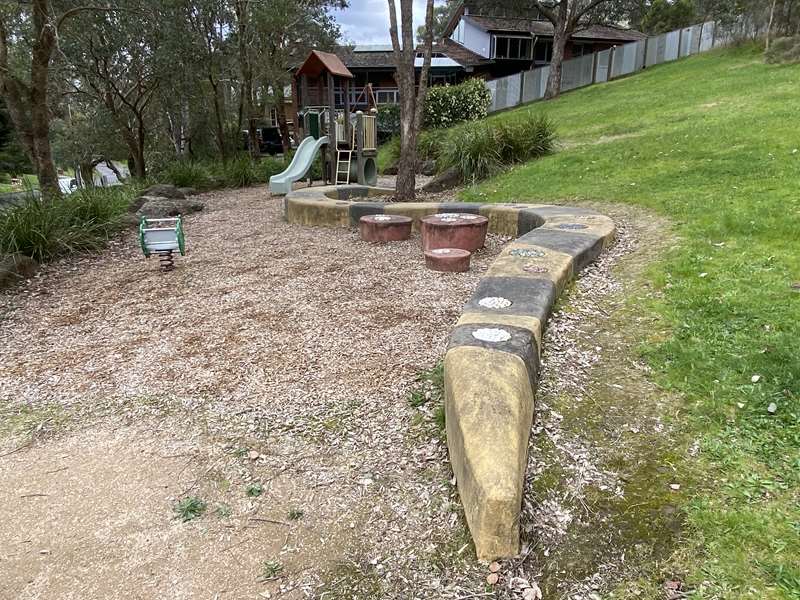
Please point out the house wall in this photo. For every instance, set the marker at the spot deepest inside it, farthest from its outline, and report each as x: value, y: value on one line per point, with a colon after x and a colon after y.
x: 472, y: 37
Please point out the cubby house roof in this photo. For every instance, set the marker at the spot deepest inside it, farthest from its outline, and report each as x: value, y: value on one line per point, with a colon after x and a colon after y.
x: 318, y: 61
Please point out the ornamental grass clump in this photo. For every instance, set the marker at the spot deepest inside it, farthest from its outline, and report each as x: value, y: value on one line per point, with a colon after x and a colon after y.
x: 483, y: 149
x: 80, y: 222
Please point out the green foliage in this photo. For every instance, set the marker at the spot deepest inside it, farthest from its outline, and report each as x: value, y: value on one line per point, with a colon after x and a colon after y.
x: 254, y: 490
x: 783, y: 51
x: 190, y: 508
x: 388, y: 120
x: 81, y: 222
x: 295, y: 514
x: 206, y: 175
x: 270, y: 569
x: 663, y: 16
x: 446, y: 105
x: 711, y: 142
x: 482, y: 149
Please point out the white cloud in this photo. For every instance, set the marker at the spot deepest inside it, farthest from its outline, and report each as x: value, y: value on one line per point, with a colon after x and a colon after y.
x: 367, y: 21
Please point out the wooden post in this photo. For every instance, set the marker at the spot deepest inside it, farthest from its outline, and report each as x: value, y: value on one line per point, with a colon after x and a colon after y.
x: 611, y: 63
x: 360, y: 146
x: 347, y: 111
x: 332, y: 144
x: 299, y: 127
x: 646, y: 44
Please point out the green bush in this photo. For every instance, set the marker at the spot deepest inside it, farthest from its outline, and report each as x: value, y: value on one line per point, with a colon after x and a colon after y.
x: 388, y: 120
x: 783, y: 51
x: 473, y: 150
x: 80, y: 222
x: 238, y: 172
x: 450, y: 104
x: 184, y: 173
x: 482, y: 149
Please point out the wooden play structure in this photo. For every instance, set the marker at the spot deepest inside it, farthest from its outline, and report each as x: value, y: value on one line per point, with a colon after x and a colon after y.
x: 342, y: 134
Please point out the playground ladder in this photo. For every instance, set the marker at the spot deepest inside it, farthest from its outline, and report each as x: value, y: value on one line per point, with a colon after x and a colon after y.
x: 343, y: 161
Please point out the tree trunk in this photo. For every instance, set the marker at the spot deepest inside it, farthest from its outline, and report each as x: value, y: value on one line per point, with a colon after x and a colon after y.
x: 39, y: 110
x: 411, y: 101
x: 283, y: 127
x: 86, y: 174
x: 220, y: 126
x: 769, y: 25
x: 554, y: 76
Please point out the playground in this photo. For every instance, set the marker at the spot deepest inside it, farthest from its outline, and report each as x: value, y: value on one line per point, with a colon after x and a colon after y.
x: 272, y: 361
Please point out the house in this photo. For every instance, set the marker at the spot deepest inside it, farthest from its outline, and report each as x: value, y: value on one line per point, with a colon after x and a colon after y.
x: 475, y: 43
x: 519, y: 43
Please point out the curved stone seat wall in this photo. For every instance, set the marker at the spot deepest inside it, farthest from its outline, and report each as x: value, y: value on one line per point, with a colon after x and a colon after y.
x: 491, y: 366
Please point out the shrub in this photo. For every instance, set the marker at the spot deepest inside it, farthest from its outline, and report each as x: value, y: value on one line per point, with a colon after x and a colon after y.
x: 473, y: 150
x: 521, y: 140
x: 388, y: 121
x: 783, y: 51
x: 81, y: 222
x: 238, y: 172
x: 450, y: 104
x: 184, y: 173
x: 480, y: 150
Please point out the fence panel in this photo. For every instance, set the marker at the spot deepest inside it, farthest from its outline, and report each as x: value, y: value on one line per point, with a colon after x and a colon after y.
x: 506, y: 92
x: 534, y: 83
x: 603, y: 60
x: 620, y: 60
x: 671, y: 47
x: 576, y: 72
x: 707, y: 36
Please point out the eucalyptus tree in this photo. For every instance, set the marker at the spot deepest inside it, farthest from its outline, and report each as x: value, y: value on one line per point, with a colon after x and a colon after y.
x: 29, y: 39
x: 412, y: 96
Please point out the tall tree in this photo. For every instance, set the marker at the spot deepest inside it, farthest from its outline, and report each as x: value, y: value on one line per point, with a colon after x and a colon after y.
x: 412, y: 97
x: 33, y: 32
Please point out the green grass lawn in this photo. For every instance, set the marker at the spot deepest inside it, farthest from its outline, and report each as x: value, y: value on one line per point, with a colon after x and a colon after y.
x: 712, y: 142
x: 28, y: 182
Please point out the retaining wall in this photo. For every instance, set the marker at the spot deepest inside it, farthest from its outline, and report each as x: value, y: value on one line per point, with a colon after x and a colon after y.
x: 491, y: 367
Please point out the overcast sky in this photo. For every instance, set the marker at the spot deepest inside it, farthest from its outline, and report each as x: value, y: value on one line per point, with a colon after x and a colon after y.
x: 367, y: 21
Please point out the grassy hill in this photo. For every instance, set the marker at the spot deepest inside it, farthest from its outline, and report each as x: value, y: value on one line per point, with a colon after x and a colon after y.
x: 713, y: 143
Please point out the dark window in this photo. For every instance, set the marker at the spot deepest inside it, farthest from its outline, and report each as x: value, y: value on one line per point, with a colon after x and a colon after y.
x: 515, y: 48
x: 543, y: 51
x: 579, y: 49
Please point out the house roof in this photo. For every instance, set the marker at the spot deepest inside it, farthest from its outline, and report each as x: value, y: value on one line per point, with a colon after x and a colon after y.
x: 545, y: 28
x: 317, y: 62
x: 362, y: 57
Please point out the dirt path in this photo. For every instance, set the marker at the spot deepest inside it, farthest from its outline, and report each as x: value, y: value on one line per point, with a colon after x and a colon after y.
x: 275, y: 356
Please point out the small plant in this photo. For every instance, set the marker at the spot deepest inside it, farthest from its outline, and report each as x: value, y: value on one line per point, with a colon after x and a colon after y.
x: 254, y: 490
x: 190, y: 508
x: 224, y: 511
x: 270, y: 569
x: 295, y: 514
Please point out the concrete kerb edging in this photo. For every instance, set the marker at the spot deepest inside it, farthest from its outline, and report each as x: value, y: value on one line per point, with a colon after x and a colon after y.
x: 492, y: 362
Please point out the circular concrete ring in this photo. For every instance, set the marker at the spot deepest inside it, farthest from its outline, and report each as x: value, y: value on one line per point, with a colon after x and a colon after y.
x: 453, y: 230
x: 384, y: 228
x: 447, y: 260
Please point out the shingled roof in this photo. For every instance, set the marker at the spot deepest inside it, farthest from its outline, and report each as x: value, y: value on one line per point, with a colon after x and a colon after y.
x: 545, y: 28
x: 384, y: 59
